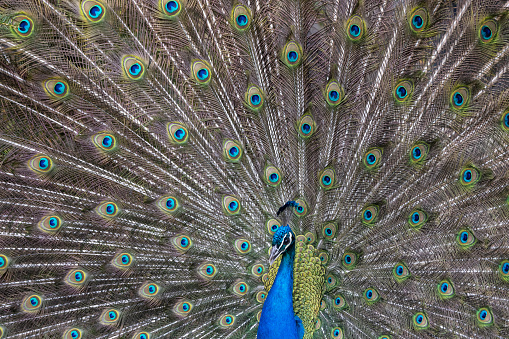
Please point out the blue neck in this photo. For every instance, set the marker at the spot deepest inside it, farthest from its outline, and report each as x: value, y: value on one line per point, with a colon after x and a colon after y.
x: 278, y: 319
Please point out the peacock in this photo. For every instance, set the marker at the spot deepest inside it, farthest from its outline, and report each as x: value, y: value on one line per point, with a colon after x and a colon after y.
x: 254, y: 169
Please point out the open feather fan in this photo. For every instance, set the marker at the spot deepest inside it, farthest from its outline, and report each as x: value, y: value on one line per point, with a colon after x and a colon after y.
x: 146, y: 146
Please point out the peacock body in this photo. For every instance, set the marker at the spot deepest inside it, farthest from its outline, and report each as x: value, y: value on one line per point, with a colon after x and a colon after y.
x: 146, y: 147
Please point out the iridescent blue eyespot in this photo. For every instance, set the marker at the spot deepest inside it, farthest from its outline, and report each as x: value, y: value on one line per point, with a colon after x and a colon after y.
x: 334, y: 95
x: 59, y: 88
x: 416, y: 153
x: 24, y: 26
x: 170, y: 203
x: 255, y: 99
x: 293, y: 56
x: 306, y: 128
x: 401, y: 92
x: 274, y: 177
x: 172, y: 6
x: 78, y: 276
x: 95, y: 11
x: 368, y: 215
x: 464, y: 237
x: 415, y: 217
x: 355, y: 30
x: 348, y: 259
x: 44, y: 163
x: 233, y: 151
x: 458, y: 99
x: 242, y: 20
x: 371, y: 159
x: 232, y: 206
x: 203, y: 74
x: 75, y: 334
x: 399, y: 270
x: 486, y: 32
x: 326, y: 180
x: 107, y: 141
x: 34, y: 301
x: 110, y: 209
x: 135, y: 69
x: 417, y: 21
x: 467, y: 176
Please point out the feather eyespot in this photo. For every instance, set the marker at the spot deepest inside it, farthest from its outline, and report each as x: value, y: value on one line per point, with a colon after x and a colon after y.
x: 32, y: 303
x: 240, y: 288
x: 22, y: 26
x: 484, y: 317
x: 465, y: 239
x: 168, y: 204
x: 418, y: 20
x: 339, y: 302
x: 177, y: 133
x: 56, y: 88
x: 123, y: 260
x: 420, y: 321
x: 460, y: 98
x: 334, y: 93
x: 469, y: 176
x: 232, y: 151
x: 372, y: 158
x: 318, y: 324
x: 50, y: 224
x: 329, y: 231
x: 241, y: 17
x: 369, y: 215
x: 231, y: 205
x: 4, y: 263
x: 107, y: 209
x: 503, y: 269
x: 310, y: 237
x: 207, y: 270
x: 254, y: 98
x: 330, y: 281
x: 73, y: 333
x: 40, y: 164
x: 355, y: 28
x: 301, y: 209
x: 226, y: 320
x: 260, y: 296
x: 488, y: 31
x: 149, y: 291
x: 337, y: 333
x: 272, y: 225
x: 401, y: 272
x: 349, y: 260
x: 201, y: 72
x: 104, y: 141
x: 133, y: 67
x: 76, y: 278
x: 326, y: 178
x: 93, y: 11
x: 257, y: 270
x: 385, y: 336
x: 324, y: 257
x: 323, y: 305
x: 2, y: 332
x: 306, y: 126
x: 417, y: 219
x: 403, y: 91
x: 109, y: 317
x: 505, y: 120
x: 141, y: 335
x: 183, y: 308
x: 418, y: 153
x: 292, y: 54
x: 371, y: 295
x: 272, y: 176
x: 171, y: 8
x: 445, y: 289
x: 243, y: 246
x: 182, y: 243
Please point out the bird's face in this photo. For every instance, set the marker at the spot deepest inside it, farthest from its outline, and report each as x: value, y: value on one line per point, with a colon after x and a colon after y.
x: 281, y: 241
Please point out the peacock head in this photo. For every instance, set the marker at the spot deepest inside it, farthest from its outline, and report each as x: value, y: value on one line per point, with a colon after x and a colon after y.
x: 283, y: 239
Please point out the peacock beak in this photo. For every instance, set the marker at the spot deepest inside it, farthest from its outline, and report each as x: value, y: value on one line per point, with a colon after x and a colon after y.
x: 275, y: 253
